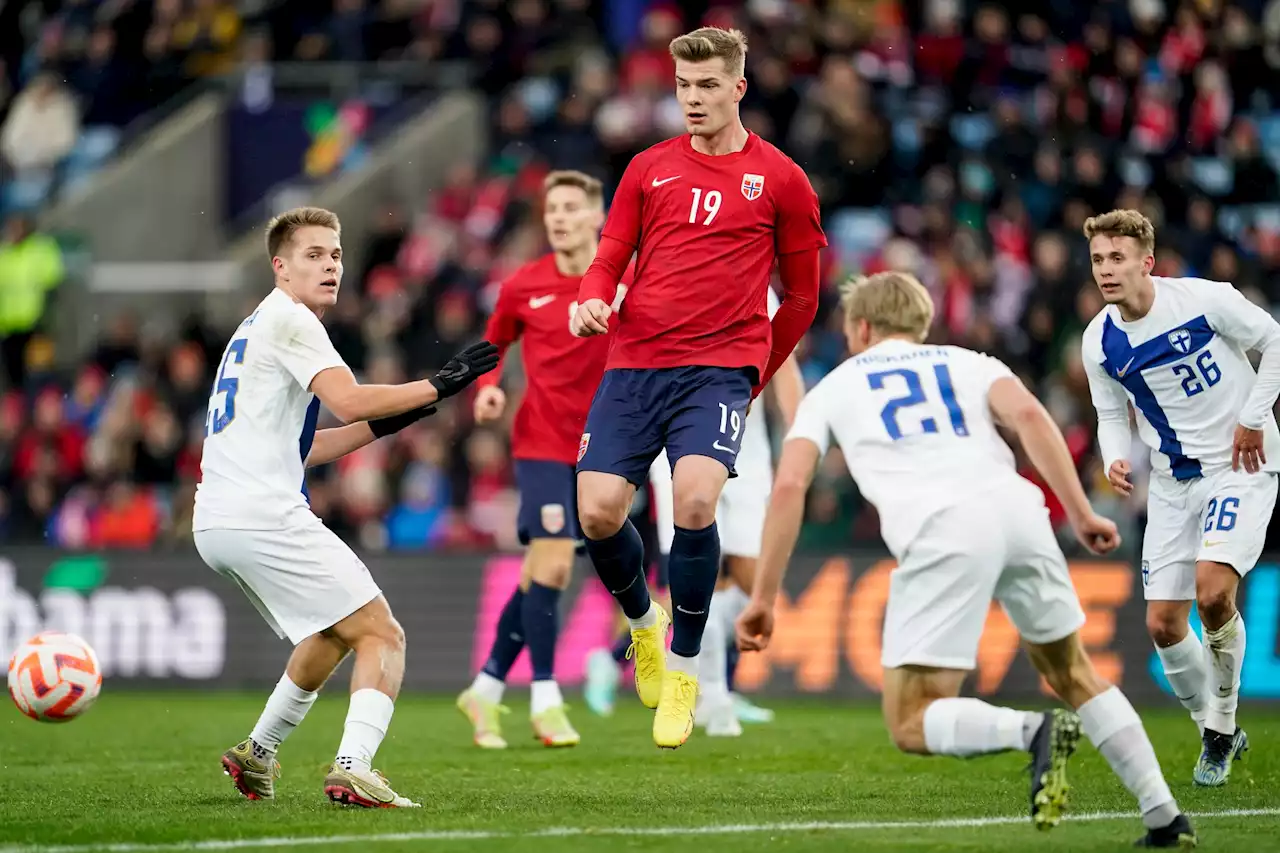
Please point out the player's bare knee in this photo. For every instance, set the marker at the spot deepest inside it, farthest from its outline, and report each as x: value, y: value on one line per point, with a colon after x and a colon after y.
x: 696, y: 510
x: 549, y: 562
x: 600, y: 520
x: 1216, y: 606
x: 1165, y: 627
x: 552, y: 573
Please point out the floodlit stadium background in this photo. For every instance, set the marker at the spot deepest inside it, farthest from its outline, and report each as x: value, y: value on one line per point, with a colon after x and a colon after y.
x: 143, y: 144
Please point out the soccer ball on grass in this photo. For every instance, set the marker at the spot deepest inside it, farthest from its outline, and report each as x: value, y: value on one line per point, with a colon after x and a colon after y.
x: 54, y: 677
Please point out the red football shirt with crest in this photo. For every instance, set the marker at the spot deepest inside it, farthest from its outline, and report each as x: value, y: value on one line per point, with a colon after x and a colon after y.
x: 707, y: 231
x: 561, y: 372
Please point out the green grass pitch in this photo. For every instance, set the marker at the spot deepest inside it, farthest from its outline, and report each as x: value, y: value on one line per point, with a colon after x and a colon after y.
x: 141, y: 772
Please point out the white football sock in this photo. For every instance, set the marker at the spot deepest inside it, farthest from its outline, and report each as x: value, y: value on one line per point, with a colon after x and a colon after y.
x: 648, y: 620
x: 1187, y: 668
x: 368, y: 719
x: 286, y: 707
x: 1111, y: 724
x: 1226, y: 659
x: 712, y: 660
x: 544, y: 695
x: 965, y: 726
x: 488, y: 688
x: 689, y: 666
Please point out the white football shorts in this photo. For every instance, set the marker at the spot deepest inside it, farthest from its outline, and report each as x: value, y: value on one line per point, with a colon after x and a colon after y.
x: 1001, y: 548
x: 302, y: 578
x: 739, y: 514
x: 1221, y: 517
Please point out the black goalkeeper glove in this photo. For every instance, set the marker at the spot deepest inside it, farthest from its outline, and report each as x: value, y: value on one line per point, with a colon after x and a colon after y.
x: 464, y: 368
x: 389, y: 426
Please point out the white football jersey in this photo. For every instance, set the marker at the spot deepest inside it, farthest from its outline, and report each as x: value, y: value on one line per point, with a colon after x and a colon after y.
x: 916, y: 430
x: 1184, y: 368
x: 262, y: 418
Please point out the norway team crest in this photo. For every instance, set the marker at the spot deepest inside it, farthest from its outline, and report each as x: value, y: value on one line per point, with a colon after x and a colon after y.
x: 582, y: 445
x: 1180, y: 340
x: 552, y: 518
x: 752, y: 186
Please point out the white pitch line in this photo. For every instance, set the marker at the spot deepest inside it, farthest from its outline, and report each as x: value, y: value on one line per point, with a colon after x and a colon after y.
x: 583, y: 832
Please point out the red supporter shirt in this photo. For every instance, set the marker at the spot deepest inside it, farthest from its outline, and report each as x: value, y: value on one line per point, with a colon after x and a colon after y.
x: 561, y: 371
x: 707, y: 231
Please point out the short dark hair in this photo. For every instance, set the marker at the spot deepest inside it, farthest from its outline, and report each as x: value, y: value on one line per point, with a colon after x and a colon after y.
x: 280, y: 229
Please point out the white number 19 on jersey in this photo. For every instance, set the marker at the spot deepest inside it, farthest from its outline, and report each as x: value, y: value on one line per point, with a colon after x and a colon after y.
x: 710, y: 204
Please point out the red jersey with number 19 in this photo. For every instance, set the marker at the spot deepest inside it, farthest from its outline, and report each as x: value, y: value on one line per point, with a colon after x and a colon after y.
x: 561, y: 371
x: 707, y: 232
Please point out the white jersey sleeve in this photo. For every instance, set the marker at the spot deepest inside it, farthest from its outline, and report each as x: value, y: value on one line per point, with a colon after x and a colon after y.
x: 1234, y: 317
x: 1109, y: 400
x: 812, y: 421
x: 304, y: 348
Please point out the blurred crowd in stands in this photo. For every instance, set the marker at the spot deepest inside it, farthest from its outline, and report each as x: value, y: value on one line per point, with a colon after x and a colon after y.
x: 964, y: 141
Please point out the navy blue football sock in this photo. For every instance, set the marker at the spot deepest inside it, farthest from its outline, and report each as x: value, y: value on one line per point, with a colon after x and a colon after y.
x: 541, y: 625
x: 619, y: 561
x: 694, y: 567
x: 731, y: 665
x: 620, y: 647
x: 508, y: 640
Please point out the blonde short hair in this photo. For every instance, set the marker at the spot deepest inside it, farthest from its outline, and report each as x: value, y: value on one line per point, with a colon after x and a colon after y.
x: 893, y: 303
x: 1123, y: 223
x: 713, y: 43
x: 591, y: 187
x: 280, y: 229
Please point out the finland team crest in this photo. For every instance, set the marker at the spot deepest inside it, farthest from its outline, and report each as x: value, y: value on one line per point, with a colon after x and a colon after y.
x: 1180, y: 340
x: 752, y: 186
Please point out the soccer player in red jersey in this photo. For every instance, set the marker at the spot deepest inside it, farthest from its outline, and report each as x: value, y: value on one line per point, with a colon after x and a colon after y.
x: 707, y: 214
x: 535, y: 306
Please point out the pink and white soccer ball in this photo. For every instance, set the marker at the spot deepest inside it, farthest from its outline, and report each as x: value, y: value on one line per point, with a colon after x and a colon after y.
x: 54, y: 677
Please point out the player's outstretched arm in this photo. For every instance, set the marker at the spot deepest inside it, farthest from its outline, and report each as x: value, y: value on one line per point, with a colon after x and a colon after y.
x: 350, y: 401
x: 782, y: 521
x: 1017, y: 408
x: 332, y: 444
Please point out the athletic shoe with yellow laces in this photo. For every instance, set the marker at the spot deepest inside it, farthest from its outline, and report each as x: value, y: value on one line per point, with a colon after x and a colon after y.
x: 673, y: 722
x: 484, y: 718
x: 649, y: 648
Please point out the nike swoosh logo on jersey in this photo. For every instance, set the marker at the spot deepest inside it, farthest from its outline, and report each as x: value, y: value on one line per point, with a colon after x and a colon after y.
x: 658, y: 183
x: 1122, y: 371
x: 1210, y: 543
x: 718, y: 446
x: 538, y: 301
